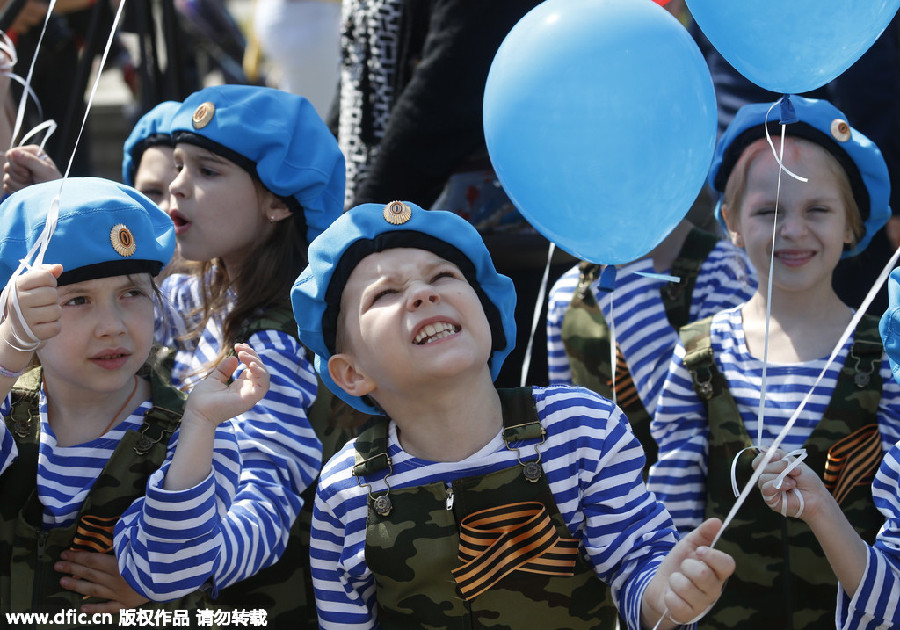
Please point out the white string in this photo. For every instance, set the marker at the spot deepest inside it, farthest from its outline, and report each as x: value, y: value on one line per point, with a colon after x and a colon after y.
x: 20, y: 113
x: 611, y: 324
x: 538, y: 308
x: 37, y: 251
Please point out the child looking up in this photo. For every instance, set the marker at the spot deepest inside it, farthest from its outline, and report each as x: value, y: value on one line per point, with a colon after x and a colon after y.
x: 87, y: 427
x: 464, y: 502
x: 707, y: 416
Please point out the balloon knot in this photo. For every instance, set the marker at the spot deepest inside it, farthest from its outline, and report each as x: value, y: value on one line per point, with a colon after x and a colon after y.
x: 788, y: 115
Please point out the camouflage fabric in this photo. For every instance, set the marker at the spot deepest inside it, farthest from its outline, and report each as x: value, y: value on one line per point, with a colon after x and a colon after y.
x: 414, y: 549
x: 586, y: 336
x: 284, y: 589
x: 785, y: 581
x: 27, y: 551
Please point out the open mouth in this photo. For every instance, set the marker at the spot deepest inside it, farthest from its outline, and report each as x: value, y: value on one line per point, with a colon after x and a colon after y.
x: 178, y: 219
x: 435, y: 332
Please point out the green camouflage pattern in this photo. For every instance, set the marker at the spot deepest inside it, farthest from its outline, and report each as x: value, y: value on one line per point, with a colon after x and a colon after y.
x: 785, y: 581
x: 586, y: 337
x: 28, y: 581
x: 284, y: 589
x: 413, y: 550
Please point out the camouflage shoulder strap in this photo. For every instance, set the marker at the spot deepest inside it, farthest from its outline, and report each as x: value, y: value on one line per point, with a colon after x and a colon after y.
x: 677, y: 296
x: 699, y: 359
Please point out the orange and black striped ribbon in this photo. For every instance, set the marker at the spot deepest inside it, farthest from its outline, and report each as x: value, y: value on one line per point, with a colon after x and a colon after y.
x: 94, y: 533
x: 853, y: 461
x: 626, y: 390
x: 517, y: 536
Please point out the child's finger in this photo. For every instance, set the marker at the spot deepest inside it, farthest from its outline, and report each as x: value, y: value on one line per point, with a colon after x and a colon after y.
x: 719, y: 562
x: 225, y: 369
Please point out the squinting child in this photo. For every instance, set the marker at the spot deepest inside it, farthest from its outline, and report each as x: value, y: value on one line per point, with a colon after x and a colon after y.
x: 462, y: 503
x: 868, y: 575
x: 259, y: 176
x: 707, y: 413
x: 87, y: 427
x: 646, y: 312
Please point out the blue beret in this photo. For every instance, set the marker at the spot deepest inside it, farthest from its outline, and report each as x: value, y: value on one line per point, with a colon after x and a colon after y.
x: 153, y: 129
x: 820, y: 122
x: 372, y: 228
x: 889, y: 326
x: 275, y: 136
x: 104, y: 229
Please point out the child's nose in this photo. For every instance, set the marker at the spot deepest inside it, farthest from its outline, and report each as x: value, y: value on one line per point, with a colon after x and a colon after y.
x: 421, y: 293
x: 110, y: 321
x: 791, y: 224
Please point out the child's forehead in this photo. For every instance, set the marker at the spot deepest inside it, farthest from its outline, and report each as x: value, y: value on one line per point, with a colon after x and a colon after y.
x: 397, y: 261
x: 192, y: 150
x: 97, y: 284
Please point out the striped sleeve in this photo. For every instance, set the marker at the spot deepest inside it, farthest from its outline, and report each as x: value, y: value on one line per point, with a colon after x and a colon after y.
x: 344, y: 587
x: 178, y: 297
x: 8, y: 449
x: 281, y: 456
x: 169, y: 542
x: 681, y: 430
x: 876, y: 603
x: 594, y: 463
x: 558, y: 369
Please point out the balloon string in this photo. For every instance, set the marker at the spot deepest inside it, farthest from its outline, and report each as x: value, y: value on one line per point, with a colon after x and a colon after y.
x: 20, y: 113
x: 538, y: 308
x: 613, y: 358
x: 761, y: 409
x: 39, y: 248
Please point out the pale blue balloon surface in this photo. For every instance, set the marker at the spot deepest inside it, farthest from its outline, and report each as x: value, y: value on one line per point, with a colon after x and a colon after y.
x: 600, y: 120
x: 792, y: 46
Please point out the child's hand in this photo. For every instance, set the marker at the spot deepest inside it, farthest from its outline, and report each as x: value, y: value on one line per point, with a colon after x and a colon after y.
x: 38, y: 300
x: 785, y: 499
x: 214, y: 400
x: 97, y: 575
x: 689, y: 580
x: 26, y: 166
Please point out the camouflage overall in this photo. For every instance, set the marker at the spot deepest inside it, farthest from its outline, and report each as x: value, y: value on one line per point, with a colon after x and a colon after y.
x: 782, y: 578
x: 425, y: 577
x: 586, y: 336
x: 284, y: 589
x: 28, y: 581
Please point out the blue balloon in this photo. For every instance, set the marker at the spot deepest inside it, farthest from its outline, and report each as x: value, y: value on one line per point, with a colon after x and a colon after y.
x: 792, y: 46
x: 600, y: 120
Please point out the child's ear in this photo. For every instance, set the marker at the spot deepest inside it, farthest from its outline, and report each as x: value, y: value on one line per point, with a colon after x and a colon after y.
x: 733, y: 232
x: 343, y: 372
x: 276, y: 210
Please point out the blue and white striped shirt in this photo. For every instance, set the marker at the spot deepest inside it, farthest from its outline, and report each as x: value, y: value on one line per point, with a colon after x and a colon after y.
x: 636, y: 309
x: 681, y: 426
x: 593, y: 465
x: 280, y: 457
x: 876, y: 603
x: 66, y: 475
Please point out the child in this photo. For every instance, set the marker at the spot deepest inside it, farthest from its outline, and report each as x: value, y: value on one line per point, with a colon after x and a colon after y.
x: 409, y: 319
x: 707, y: 412
x: 868, y: 576
x: 147, y: 162
x: 86, y: 429
x: 259, y: 176
x: 647, y: 313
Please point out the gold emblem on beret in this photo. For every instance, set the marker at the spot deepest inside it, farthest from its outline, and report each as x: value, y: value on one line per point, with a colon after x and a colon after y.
x: 840, y: 130
x: 203, y: 114
x: 397, y: 212
x: 122, y: 240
